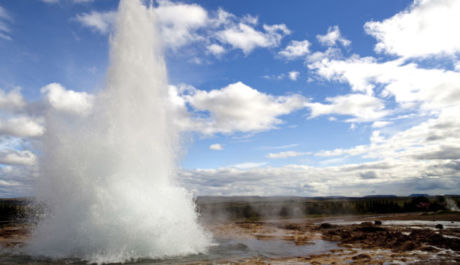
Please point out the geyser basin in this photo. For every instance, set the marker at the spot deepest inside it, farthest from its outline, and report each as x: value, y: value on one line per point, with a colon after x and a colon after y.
x: 108, y: 176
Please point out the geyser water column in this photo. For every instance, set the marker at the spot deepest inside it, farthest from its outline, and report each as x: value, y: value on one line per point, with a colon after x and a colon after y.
x: 107, y: 177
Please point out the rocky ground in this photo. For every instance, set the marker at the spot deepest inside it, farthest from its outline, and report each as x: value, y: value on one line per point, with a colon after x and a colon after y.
x: 369, y: 241
x: 360, y: 240
x: 13, y: 235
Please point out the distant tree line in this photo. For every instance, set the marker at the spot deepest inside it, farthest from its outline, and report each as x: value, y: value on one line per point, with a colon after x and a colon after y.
x: 254, y: 209
x: 13, y: 209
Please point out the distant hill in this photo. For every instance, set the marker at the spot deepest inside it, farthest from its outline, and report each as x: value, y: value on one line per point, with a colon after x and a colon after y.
x: 380, y: 196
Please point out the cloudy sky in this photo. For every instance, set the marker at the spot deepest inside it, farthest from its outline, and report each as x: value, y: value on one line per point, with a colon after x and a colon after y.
x: 301, y: 98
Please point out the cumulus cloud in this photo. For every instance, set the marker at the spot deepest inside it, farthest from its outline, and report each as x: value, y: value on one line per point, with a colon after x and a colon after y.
x: 398, y: 177
x: 216, y: 49
x: 11, y: 100
x: 67, y: 100
x: 237, y: 107
x: 99, y: 21
x: 296, y: 49
x: 293, y: 75
x: 368, y: 175
x: 16, y: 180
x: 246, y: 38
x: 426, y: 28
x: 5, y: 19
x: 286, y: 154
x: 357, y: 150
x: 441, y: 153
x: 248, y: 165
x: 380, y: 124
x: 432, y: 142
x: 362, y: 107
x: 216, y: 147
x: 415, y: 90
x: 179, y: 22
x: 182, y: 24
x: 333, y: 36
x: 14, y: 157
x: 15, y: 119
x: 21, y: 126
x: 409, y: 84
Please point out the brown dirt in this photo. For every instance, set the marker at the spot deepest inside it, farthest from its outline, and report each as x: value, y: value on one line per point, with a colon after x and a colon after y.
x: 13, y: 235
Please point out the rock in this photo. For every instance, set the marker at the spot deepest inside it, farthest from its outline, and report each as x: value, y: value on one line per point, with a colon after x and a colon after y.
x: 407, y: 246
x: 439, y: 226
x: 326, y: 226
x: 377, y: 222
x: 369, y: 228
x: 361, y: 256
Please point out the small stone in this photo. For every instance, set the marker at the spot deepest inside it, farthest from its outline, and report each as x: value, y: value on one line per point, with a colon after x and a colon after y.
x: 361, y: 256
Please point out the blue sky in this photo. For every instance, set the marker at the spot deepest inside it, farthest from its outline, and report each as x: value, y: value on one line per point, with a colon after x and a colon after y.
x: 301, y: 98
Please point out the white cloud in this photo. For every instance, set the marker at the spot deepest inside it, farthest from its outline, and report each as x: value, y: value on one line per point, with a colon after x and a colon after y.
x: 5, y: 18
x: 383, y: 177
x: 248, y: 165
x: 426, y: 99
x: 275, y: 77
x: 21, y: 126
x: 328, y: 54
x: 236, y: 107
x: 182, y: 24
x: 333, y: 36
x: 249, y: 19
x: 216, y: 49
x: 216, y: 147
x: 421, y: 144
x: 293, y: 75
x: 357, y: 150
x: 16, y: 180
x: 68, y: 100
x: 14, y: 157
x: 362, y: 107
x: 286, y: 154
x: 246, y: 38
x: 296, y: 49
x: 409, y: 84
x: 18, y: 118
x: 179, y: 21
x: 427, y: 28
x: 380, y: 124
x: 99, y: 21
x: 457, y: 66
x: 11, y: 100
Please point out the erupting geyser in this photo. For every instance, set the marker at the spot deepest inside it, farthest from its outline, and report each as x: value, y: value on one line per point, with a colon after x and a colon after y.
x: 108, y: 177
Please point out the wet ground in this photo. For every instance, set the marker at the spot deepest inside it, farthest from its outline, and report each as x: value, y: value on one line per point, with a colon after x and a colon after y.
x: 384, y: 239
